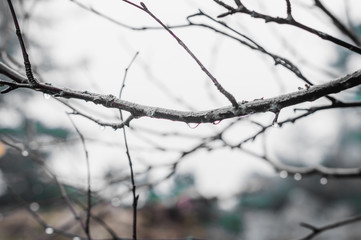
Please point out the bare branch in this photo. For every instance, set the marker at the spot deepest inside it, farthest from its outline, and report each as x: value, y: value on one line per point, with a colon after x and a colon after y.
x: 40, y: 162
x: 289, y: 9
x: 134, y: 187
x: 12, y: 74
x: 229, y: 96
x: 249, y: 42
x: 48, y: 229
x: 97, y: 121
x: 28, y: 70
x: 209, y: 116
x: 287, y: 21
x: 308, y: 112
x: 318, y: 230
x: 339, y: 24
x: 87, y: 221
x: 91, y: 9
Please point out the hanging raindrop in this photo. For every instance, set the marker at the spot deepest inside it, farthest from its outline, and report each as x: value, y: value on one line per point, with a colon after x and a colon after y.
x: 283, y: 174
x: 49, y: 230
x: 76, y: 238
x: 193, y: 125
x: 25, y: 153
x: 46, y: 96
x: 217, y: 122
x: 102, y: 127
x: 323, y: 181
x: 297, y: 176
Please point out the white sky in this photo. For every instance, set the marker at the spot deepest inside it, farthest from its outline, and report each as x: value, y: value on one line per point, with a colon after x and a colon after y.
x: 91, y: 54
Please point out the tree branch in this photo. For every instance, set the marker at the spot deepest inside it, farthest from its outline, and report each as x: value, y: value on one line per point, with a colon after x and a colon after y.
x: 288, y: 21
x: 130, y: 162
x: 339, y: 24
x: 319, y: 230
x: 97, y: 121
x: 220, y: 88
x: 274, y: 104
x: 89, y: 204
x: 12, y: 74
x: 27, y: 64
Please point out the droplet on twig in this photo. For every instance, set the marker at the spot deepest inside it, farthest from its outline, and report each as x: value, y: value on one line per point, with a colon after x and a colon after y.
x: 297, y: 176
x: 283, y: 174
x: 46, y: 96
x: 34, y: 206
x: 49, y: 230
x: 25, y: 153
x: 102, y: 127
x: 323, y: 181
x: 76, y: 238
x: 193, y: 125
x: 217, y: 122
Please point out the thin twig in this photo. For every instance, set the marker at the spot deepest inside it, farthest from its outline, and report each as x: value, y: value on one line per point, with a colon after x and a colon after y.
x: 308, y: 112
x: 228, y: 95
x: 287, y: 21
x: 319, y: 230
x: 252, y: 44
x: 41, y: 163
x: 134, y: 187
x: 97, y: 121
x: 338, y: 23
x: 289, y: 9
x: 101, y: 222
x: 345, y: 173
x: 28, y: 69
x: 38, y: 219
x: 87, y: 222
x: 126, y: 73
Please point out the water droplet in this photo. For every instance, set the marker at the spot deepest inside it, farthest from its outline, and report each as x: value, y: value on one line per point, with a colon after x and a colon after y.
x: 46, y: 96
x: 34, y: 206
x: 283, y: 174
x: 297, y: 176
x: 49, y: 230
x: 217, y: 122
x: 76, y: 238
x: 25, y: 153
x: 102, y: 128
x: 323, y: 181
x: 115, y: 202
x: 276, y: 125
x: 193, y: 125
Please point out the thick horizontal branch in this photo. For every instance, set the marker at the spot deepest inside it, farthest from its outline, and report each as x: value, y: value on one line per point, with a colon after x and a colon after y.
x: 245, y: 108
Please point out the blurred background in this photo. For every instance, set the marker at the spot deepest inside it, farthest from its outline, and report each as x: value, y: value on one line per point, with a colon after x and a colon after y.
x: 191, y: 183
